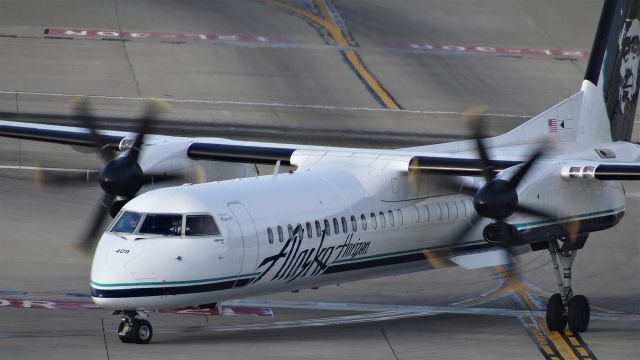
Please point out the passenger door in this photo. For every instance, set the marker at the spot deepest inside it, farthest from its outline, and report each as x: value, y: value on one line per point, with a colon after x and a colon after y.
x: 247, y: 229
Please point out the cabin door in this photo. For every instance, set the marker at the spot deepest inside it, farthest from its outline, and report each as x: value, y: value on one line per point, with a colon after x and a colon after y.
x: 249, y: 241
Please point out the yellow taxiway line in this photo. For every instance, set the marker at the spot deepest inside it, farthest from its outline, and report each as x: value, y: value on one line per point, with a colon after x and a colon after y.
x: 341, y: 41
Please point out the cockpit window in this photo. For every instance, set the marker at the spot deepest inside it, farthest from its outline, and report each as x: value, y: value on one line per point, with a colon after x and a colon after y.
x: 162, y: 224
x: 127, y: 223
x: 198, y: 225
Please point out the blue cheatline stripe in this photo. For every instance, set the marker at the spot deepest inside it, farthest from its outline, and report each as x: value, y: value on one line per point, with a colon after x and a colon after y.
x: 183, y: 282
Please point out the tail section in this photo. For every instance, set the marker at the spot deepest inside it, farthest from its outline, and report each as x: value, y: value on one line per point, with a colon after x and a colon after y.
x: 613, y: 70
x: 604, y: 109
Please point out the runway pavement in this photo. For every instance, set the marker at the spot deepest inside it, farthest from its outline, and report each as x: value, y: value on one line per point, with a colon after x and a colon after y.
x: 357, y: 73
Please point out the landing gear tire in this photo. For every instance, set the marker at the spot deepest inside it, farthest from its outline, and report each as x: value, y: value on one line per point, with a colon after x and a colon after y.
x: 142, y: 331
x: 579, y: 313
x: 137, y: 331
x: 556, y: 315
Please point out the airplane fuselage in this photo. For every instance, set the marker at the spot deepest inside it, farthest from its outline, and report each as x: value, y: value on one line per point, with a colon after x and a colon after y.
x: 337, y: 220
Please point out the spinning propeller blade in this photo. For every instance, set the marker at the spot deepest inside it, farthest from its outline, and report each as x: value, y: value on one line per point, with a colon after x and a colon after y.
x: 497, y: 199
x: 121, y: 176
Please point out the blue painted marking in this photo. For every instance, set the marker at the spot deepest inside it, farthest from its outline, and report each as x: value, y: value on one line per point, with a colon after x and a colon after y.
x: 13, y: 292
x: 84, y: 295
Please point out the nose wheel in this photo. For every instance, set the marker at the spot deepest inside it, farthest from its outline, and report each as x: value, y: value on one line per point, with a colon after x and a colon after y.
x: 134, y: 330
x: 564, y: 308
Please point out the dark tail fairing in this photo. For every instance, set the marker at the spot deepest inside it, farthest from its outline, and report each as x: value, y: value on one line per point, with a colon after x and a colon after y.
x: 615, y: 63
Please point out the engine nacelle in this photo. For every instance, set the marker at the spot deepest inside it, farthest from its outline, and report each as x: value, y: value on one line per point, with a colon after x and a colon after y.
x: 501, y: 233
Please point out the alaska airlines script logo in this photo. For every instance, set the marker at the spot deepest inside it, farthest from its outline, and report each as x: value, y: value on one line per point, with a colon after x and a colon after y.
x: 291, y: 263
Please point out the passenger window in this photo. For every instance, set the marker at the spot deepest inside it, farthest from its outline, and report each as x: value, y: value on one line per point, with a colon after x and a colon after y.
x: 436, y: 211
x: 162, y: 224
x: 354, y: 223
x: 400, y: 218
x: 199, y: 225
x: 454, y: 210
x: 344, y: 225
x: 290, y: 229
x: 364, y: 222
x: 309, y: 230
x: 327, y: 228
x: 462, y: 209
x: 318, y: 230
x: 416, y: 213
x: 374, y: 223
x: 427, y: 214
x: 391, y: 219
x: 280, y: 234
x: 445, y: 210
x: 127, y: 223
x: 383, y: 220
x: 270, y: 235
x: 336, y: 227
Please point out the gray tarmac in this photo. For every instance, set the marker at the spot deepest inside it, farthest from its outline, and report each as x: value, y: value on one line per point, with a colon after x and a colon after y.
x: 303, y: 90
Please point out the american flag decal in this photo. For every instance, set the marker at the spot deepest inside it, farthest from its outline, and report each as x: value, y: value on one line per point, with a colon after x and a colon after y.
x: 553, y: 125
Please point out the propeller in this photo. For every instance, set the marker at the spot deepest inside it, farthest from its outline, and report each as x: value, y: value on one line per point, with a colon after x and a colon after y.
x: 121, y: 177
x: 498, y: 198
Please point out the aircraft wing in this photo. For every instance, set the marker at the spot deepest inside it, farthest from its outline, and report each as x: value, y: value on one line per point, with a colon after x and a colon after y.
x: 56, y: 134
x: 219, y: 149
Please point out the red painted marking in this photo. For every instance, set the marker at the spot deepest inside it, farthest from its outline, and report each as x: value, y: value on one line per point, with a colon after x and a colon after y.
x: 106, y: 34
x: 489, y: 50
x: 83, y: 305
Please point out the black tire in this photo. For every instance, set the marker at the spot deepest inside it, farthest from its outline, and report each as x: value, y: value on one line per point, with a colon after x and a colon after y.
x: 556, y: 317
x: 142, y: 331
x: 125, y: 338
x: 579, y: 313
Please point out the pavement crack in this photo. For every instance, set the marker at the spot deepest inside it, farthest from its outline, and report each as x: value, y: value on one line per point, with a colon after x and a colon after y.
x: 104, y: 337
x: 388, y: 343
x: 124, y: 48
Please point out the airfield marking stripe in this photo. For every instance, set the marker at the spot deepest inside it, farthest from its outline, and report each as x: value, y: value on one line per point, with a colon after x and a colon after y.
x: 370, y: 80
x: 250, y: 103
x: 160, y: 283
x: 564, y: 347
x: 372, y: 84
x: 578, y: 345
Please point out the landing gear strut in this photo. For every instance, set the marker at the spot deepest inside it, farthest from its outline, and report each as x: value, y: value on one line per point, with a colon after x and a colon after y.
x: 565, y: 308
x: 132, y: 329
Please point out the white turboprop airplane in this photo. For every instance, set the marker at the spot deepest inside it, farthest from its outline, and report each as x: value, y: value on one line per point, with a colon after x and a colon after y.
x: 349, y: 214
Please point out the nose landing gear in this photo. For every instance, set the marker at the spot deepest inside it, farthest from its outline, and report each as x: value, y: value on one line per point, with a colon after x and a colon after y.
x: 133, y: 329
x: 565, y: 308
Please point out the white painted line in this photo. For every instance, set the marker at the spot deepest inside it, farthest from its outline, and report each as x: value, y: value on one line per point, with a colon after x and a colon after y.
x: 15, y: 167
x: 417, y: 310
x: 249, y: 103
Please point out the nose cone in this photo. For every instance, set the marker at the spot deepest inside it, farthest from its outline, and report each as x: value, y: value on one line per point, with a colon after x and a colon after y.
x: 108, y: 270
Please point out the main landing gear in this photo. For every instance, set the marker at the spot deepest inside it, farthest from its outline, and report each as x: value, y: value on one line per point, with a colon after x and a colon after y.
x: 565, y: 308
x: 132, y: 329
